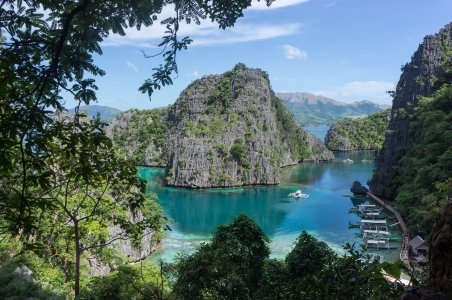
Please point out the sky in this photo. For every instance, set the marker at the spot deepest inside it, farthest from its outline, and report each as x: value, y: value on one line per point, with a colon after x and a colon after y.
x: 348, y: 50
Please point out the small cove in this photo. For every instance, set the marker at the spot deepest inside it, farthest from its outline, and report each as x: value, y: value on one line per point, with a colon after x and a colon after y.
x: 325, y: 214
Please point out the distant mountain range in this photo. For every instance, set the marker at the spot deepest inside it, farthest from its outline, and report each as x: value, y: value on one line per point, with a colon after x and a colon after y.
x: 106, y: 113
x: 309, y: 109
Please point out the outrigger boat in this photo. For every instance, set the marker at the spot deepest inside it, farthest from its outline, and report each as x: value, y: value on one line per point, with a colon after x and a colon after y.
x: 379, y: 244
x: 369, y: 222
x: 378, y: 234
x: 372, y: 215
x: 298, y: 194
x: 365, y: 208
x: 374, y: 227
x: 367, y: 226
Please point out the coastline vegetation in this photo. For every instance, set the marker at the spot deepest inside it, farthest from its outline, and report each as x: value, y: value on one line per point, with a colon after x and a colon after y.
x: 424, y: 173
x: 366, y: 133
x: 234, y: 265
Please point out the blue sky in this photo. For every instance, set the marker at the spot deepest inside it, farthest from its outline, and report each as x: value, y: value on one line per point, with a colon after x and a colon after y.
x: 345, y: 49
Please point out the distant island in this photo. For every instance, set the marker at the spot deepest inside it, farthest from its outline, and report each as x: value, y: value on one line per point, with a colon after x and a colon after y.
x: 366, y: 133
x: 106, y: 113
x: 224, y: 130
x: 311, y: 110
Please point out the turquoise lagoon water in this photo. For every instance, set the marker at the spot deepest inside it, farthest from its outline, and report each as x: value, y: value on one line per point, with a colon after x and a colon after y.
x: 197, y: 213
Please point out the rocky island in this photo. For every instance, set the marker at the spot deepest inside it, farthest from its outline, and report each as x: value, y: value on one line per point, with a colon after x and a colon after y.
x: 223, y: 131
x: 367, y: 133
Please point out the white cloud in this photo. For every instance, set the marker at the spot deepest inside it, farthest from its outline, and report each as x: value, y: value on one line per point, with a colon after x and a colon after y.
x: 358, y: 90
x: 132, y: 66
x: 207, y: 33
x: 262, y: 4
x: 291, y: 52
x: 246, y: 33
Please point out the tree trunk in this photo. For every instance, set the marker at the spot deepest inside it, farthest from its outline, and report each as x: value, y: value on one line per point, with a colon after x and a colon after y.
x: 77, y: 261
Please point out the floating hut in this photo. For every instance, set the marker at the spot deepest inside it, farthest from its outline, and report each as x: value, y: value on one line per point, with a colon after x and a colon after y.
x: 419, y: 248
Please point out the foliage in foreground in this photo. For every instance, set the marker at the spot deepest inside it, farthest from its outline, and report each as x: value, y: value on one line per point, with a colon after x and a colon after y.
x: 236, y: 265
x: 65, y: 195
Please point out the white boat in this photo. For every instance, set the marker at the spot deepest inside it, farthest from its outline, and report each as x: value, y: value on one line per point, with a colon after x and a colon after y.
x: 298, y: 194
x: 348, y: 161
x: 370, y: 232
x: 379, y: 244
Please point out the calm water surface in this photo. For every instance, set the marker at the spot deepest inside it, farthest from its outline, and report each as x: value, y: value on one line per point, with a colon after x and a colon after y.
x: 324, y: 214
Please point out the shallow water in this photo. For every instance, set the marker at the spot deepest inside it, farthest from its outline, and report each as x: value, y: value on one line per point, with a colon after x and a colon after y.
x: 196, y: 213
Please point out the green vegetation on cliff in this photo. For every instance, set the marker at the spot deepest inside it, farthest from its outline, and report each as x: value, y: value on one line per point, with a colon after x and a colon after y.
x: 224, y: 130
x: 140, y: 134
x: 414, y: 166
x: 358, y: 134
x: 289, y: 130
x: 423, y: 178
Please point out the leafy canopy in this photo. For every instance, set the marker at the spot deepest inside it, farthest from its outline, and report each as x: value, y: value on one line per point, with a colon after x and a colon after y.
x: 236, y: 265
x: 63, y: 187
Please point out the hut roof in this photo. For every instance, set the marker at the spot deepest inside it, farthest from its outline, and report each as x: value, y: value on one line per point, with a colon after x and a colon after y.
x: 418, y: 242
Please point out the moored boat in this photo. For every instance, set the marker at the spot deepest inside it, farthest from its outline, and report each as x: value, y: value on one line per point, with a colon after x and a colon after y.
x: 379, y: 244
x: 298, y: 194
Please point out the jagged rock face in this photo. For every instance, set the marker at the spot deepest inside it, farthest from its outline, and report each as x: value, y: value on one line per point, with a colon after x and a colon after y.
x: 440, y: 254
x: 418, y: 79
x: 417, y: 293
x: 358, y: 189
x: 224, y: 130
x: 340, y: 141
x: 134, y: 253
x: 315, y: 147
x: 231, y: 130
x: 140, y: 135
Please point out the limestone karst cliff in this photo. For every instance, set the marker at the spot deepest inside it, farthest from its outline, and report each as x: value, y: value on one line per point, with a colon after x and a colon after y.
x: 223, y: 131
x: 140, y: 135
x: 420, y: 78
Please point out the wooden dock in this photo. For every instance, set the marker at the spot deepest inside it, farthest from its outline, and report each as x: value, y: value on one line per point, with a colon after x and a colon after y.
x: 405, y: 233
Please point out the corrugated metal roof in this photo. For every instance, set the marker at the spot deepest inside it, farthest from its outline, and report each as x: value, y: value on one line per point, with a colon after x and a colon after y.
x: 416, y: 242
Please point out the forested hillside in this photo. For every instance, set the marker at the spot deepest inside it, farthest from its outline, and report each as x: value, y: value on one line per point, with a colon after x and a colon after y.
x: 311, y: 110
x: 414, y: 165
x: 424, y: 181
x: 140, y: 135
x: 366, y: 133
